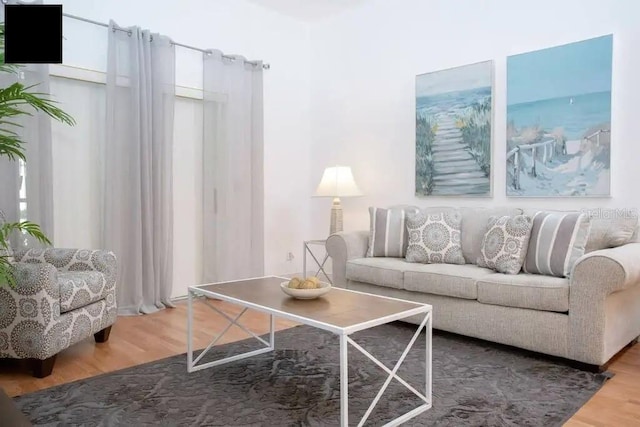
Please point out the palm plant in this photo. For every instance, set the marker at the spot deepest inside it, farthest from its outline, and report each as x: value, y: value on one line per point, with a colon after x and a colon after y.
x: 18, y: 100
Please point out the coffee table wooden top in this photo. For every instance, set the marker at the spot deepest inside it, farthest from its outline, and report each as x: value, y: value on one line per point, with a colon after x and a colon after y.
x: 340, y: 311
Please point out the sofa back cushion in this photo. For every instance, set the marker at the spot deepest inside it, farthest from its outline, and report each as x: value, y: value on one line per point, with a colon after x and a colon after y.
x: 557, y: 241
x: 388, y: 231
x: 611, y: 228
x: 474, y: 226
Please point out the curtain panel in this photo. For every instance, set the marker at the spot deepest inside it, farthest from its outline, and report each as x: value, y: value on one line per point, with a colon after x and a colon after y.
x: 137, y: 209
x: 35, y: 131
x: 233, y: 184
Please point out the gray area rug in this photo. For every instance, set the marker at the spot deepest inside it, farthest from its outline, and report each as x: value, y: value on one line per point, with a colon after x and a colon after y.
x: 475, y: 383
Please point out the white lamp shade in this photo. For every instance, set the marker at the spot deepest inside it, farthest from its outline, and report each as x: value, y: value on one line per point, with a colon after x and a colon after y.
x: 337, y: 181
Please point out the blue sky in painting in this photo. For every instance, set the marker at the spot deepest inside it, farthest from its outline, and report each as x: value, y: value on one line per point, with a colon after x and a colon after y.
x: 466, y: 77
x: 561, y: 71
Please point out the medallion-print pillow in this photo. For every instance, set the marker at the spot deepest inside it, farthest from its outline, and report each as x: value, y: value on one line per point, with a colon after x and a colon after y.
x: 388, y: 232
x: 557, y: 241
x: 504, y: 245
x: 434, y: 238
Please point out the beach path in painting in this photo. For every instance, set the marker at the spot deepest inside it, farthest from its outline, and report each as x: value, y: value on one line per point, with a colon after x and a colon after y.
x: 455, y: 169
x: 559, y: 120
x: 453, y: 131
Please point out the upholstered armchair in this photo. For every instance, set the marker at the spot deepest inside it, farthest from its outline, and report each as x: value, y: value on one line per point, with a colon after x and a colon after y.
x: 61, y: 297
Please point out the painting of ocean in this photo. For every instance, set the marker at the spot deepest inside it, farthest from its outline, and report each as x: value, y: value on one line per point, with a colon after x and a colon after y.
x: 453, y: 131
x: 559, y: 120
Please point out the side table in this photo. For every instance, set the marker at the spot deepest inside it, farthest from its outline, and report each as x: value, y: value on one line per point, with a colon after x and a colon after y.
x: 306, y: 248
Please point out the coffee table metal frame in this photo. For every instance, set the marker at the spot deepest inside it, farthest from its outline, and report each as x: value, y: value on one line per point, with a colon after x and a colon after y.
x: 306, y: 248
x: 345, y: 340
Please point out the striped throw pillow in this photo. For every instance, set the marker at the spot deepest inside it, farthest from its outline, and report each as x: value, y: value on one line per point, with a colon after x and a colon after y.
x: 388, y: 232
x: 557, y: 241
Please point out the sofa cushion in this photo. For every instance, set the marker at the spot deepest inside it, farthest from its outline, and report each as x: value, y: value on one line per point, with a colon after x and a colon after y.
x: 80, y: 288
x: 610, y: 228
x: 532, y: 291
x: 388, y: 232
x: 474, y: 225
x: 378, y: 271
x: 434, y: 238
x: 444, y: 279
x: 504, y: 245
x: 557, y: 241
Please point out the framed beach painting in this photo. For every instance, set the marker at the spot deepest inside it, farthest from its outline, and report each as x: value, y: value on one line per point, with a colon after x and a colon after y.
x: 559, y: 121
x: 454, y: 114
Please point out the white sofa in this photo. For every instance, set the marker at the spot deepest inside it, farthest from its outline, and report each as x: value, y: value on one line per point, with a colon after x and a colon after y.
x: 588, y: 317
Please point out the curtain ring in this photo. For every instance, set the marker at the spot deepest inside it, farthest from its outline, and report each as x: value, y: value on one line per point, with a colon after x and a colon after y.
x: 130, y: 33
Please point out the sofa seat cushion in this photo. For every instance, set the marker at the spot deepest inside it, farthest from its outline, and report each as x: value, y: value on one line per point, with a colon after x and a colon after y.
x: 534, y: 291
x: 451, y: 280
x: 386, y: 272
x: 80, y: 288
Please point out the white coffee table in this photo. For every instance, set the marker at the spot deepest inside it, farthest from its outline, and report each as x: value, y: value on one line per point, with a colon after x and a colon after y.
x: 340, y: 311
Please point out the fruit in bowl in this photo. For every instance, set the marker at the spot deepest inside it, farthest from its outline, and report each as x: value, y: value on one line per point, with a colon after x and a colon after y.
x: 305, y: 288
x: 308, y: 283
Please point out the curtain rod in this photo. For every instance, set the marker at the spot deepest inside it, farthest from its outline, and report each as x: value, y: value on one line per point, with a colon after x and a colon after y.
x: 102, y: 24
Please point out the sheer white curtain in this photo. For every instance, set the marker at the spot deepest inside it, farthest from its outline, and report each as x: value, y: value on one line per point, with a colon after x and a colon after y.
x: 233, y: 185
x: 36, y: 196
x: 138, y: 195
x: 37, y: 187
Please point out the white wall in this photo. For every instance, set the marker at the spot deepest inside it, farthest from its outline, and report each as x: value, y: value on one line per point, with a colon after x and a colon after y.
x: 235, y: 27
x: 339, y: 91
x: 363, y: 76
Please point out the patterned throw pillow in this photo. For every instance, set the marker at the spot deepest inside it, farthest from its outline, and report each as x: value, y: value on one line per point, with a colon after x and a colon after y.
x: 505, y: 243
x: 557, y: 241
x: 388, y: 232
x: 434, y: 238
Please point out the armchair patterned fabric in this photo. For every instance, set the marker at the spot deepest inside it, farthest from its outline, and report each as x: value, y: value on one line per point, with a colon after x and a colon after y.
x: 61, y: 297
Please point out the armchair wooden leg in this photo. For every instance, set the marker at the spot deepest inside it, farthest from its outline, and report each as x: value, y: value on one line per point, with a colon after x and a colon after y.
x: 103, y: 335
x: 43, y: 368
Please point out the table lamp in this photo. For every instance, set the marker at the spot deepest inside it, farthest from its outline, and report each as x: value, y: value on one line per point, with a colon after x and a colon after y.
x: 336, y: 182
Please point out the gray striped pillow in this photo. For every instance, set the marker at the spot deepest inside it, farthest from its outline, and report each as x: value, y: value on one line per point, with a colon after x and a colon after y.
x: 388, y: 233
x: 557, y: 241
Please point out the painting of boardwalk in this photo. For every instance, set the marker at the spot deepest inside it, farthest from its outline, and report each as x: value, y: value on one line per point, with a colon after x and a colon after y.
x: 453, y: 131
x: 559, y: 121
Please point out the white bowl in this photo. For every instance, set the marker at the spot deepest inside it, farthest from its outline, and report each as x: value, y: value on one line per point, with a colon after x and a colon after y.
x: 305, y: 293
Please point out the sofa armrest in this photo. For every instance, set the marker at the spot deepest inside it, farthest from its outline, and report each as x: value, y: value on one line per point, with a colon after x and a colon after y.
x: 600, y: 273
x: 344, y: 246
x: 31, y: 308
x: 74, y: 260
x: 603, y: 295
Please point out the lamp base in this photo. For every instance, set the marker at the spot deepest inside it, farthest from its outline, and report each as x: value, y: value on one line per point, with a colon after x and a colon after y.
x: 336, y: 217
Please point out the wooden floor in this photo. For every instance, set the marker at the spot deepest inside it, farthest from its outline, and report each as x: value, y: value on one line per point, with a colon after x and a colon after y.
x: 141, y: 339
